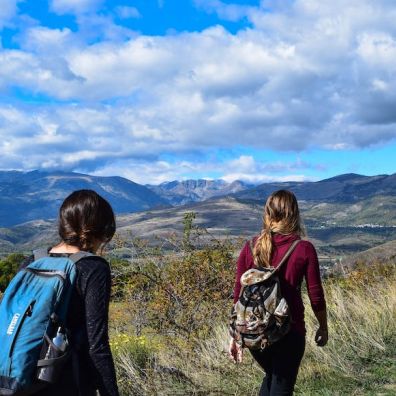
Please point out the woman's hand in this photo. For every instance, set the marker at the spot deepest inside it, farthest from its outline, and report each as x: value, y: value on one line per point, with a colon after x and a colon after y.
x: 235, y: 351
x: 321, y: 337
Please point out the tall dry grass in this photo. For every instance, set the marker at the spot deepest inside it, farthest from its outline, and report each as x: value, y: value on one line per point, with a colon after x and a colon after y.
x: 358, y: 360
x: 361, y: 352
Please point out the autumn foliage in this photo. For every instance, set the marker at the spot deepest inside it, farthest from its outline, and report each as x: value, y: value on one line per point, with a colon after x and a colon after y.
x: 183, y: 292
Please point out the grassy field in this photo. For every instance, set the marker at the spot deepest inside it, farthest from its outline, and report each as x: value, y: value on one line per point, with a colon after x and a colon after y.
x: 168, y: 322
x: 360, y: 358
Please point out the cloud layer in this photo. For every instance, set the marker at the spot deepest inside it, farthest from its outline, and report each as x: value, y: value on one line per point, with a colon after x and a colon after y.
x: 306, y: 74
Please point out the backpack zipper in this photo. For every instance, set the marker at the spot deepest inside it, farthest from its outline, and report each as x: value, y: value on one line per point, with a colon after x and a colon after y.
x: 29, y: 310
x: 47, y: 273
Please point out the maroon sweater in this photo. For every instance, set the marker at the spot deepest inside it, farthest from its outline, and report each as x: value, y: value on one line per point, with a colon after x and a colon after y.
x: 303, y: 263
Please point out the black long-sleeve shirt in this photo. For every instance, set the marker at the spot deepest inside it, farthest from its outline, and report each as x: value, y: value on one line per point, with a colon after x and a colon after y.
x: 87, y: 321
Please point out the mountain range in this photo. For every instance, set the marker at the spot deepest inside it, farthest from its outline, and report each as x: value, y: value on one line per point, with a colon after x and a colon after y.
x: 37, y: 195
x: 344, y: 214
x: 26, y: 196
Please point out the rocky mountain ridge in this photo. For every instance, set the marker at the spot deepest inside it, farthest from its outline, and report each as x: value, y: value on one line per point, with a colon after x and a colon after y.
x: 187, y: 191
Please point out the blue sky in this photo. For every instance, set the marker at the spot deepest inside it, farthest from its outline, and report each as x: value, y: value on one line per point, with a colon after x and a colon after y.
x: 158, y: 90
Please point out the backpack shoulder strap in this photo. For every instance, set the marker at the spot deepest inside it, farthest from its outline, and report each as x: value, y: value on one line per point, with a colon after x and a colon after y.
x: 284, y: 258
x: 80, y: 255
x: 287, y: 255
x: 40, y: 253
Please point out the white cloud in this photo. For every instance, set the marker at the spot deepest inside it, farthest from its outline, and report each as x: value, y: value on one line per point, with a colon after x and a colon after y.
x: 147, y: 172
x: 102, y: 28
x: 243, y: 168
x: 8, y: 9
x: 248, y: 169
x: 307, y: 74
x: 260, y: 178
x: 74, y: 6
x: 42, y: 39
x: 125, y: 12
x: 101, y: 142
x: 229, y: 12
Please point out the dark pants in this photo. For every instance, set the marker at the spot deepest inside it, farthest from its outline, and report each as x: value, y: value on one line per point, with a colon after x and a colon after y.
x: 280, y: 362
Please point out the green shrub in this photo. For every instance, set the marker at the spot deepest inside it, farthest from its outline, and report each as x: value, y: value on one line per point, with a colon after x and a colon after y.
x: 8, y: 268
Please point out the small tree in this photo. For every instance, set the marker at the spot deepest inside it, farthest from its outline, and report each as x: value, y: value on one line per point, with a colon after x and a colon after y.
x: 188, y: 220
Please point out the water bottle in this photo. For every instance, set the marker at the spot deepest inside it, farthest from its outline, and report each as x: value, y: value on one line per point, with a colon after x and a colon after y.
x: 60, y: 340
x: 56, y: 349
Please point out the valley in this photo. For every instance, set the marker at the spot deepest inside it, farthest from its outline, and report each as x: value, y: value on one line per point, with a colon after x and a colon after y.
x: 343, y: 216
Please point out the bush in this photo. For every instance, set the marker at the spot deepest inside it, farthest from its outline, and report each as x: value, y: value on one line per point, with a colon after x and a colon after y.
x: 8, y: 268
x: 180, y: 293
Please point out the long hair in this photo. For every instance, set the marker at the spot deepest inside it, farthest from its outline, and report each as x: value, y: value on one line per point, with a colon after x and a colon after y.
x: 86, y: 219
x: 281, y: 216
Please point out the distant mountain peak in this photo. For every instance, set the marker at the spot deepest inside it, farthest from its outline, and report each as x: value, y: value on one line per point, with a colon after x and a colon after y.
x: 195, y: 190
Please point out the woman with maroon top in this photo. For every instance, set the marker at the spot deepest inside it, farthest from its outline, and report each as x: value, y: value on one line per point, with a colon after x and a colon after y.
x: 281, y: 227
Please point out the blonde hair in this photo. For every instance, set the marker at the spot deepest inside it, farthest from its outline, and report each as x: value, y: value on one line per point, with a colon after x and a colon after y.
x: 281, y: 216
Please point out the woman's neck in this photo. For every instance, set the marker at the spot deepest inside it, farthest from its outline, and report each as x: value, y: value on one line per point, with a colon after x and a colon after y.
x: 64, y: 248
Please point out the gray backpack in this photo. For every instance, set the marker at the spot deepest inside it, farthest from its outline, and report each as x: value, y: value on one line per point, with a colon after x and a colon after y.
x: 261, y: 315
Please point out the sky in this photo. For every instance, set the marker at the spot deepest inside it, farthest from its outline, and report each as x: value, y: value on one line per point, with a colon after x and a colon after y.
x: 159, y: 90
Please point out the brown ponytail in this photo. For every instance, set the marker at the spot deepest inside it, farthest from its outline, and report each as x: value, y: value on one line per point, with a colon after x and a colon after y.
x: 281, y: 216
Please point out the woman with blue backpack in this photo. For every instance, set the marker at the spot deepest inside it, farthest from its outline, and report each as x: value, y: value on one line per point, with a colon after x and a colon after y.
x: 54, y: 314
x: 268, y: 311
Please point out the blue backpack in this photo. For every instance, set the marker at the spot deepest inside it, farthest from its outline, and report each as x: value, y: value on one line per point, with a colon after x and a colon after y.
x: 33, y: 307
